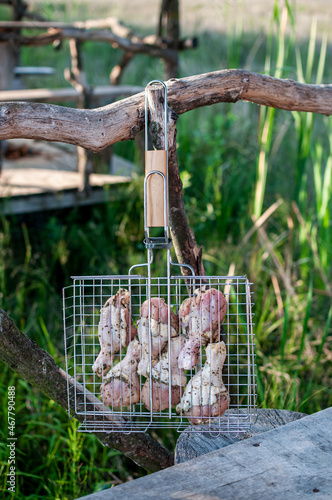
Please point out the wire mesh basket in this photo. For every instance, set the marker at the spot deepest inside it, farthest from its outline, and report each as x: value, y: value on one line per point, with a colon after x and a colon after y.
x: 83, y: 302
x: 144, y: 351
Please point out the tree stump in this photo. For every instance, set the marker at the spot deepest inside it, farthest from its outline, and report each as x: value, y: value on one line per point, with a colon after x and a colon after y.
x: 193, y: 444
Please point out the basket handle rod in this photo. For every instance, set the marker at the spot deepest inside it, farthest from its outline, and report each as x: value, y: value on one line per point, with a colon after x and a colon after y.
x: 156, y: 161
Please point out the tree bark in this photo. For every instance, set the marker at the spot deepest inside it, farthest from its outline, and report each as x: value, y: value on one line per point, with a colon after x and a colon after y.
x: 122, y: 120
x: 36, y: 366
x: 75, y: 75
x: 169, y: 23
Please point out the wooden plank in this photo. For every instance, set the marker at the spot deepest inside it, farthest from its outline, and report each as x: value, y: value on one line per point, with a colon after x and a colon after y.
x: 67, y: 94
x: 16, y: 182
x: 59, y: 200
x: 192, y: 444
x: 41, y: 176
x: 33, y: 70
x: 292, y: 462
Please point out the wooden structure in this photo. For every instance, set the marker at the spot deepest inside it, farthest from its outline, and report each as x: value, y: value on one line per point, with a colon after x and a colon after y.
x: 292, y: 462
x: 41, y: 176
x: 165, y: 44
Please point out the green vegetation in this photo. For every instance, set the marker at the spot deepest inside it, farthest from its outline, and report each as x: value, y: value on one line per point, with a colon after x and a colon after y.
x: 235, y: 160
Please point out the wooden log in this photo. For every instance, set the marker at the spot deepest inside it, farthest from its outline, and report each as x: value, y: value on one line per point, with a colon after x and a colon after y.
x: 38, y: 367
x: 122, y: 120
x: 193, y: 444
x: 291, y: 462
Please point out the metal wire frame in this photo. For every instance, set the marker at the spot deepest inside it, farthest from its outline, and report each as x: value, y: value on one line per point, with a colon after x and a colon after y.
x: 82, y: 303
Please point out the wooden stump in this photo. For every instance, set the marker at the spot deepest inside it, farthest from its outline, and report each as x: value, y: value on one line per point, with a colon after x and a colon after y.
x: 192, y: 444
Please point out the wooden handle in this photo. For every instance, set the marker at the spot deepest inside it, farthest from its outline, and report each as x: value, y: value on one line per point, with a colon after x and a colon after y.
x: 155, y: 190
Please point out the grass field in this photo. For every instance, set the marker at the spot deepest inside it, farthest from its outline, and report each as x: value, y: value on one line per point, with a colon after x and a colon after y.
x: 237, y: 162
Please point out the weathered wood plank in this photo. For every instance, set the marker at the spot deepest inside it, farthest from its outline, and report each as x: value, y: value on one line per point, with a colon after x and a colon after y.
x: 192, y: 444
x: 40, y: 176
x: 292, y: 462
x: 67, y: 94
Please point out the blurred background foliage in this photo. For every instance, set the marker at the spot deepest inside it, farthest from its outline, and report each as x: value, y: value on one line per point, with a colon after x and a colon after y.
x: 237, y: 163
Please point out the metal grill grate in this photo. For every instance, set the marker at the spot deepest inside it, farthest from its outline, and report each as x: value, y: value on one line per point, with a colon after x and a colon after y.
x: 82, y: 305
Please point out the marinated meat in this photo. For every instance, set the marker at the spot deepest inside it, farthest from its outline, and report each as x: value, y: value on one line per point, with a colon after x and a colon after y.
x: 200, y: 319
x: 206, y: 395
x: 115, y: 330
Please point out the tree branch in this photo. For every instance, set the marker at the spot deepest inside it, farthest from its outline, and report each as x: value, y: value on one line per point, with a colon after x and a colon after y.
x: 121, y: 121
x: 36, y: 366
x: 55, y: 34
x: 82, y: 29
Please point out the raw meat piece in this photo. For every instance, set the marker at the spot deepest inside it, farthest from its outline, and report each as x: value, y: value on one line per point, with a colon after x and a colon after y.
x: 160, y: 399
x: 200, y: 319
x: 206, y: 395
x: 121, y: 385
x: 160, y: 379
x: 159, y: 331
x: 115, y: 329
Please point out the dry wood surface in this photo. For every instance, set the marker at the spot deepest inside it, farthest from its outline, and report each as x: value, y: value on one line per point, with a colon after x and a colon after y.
x: 291, y: 462
x: 194, y: 444
x: 97, y: 128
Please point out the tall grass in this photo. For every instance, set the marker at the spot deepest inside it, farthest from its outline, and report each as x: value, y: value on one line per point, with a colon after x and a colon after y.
x: 238, y: 163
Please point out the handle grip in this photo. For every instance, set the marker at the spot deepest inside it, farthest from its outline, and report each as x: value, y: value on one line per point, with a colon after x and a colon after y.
x: 155, y: 189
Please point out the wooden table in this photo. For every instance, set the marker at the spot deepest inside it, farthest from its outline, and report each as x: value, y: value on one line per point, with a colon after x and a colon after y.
x: 291, y: 462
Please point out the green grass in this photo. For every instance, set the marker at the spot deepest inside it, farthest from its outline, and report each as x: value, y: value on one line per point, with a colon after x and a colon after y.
x: 235, y: 162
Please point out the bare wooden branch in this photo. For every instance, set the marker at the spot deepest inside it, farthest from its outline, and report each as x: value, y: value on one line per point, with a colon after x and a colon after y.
x: 117, y: 70
x: 38, y: 367
x: 110, y: 23
x: 120, y: 121
x: 76, y: 76
x: 55, y: 34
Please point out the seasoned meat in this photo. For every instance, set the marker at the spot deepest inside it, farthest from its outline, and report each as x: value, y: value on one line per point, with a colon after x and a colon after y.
x: 115, y: 330
x: 206, y: 395
x: 160, y: 378
x: 121, y: 386
x: 200, y: 319
x: 159, y: 331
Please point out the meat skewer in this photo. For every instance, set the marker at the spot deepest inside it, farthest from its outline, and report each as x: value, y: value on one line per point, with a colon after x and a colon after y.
x: 115, y: 329
x: 206, y: 395
x: 160, y: 378
x: 159, y: 331
x: 121, y: 386
x: 200, y: 318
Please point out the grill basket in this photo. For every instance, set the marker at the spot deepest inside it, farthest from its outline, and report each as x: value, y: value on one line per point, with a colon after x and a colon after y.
x: 82, y: 303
